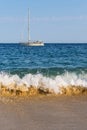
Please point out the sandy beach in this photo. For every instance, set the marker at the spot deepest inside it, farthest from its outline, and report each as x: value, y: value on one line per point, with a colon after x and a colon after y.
x: 44, y: 113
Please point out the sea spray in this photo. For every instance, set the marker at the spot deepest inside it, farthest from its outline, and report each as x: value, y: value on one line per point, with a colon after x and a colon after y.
x: 61, y: 84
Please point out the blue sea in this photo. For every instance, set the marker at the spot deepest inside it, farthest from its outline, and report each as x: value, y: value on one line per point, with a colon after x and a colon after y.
x: 51, y: 66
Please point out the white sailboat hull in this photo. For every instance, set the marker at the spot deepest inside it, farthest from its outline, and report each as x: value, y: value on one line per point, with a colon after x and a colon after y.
x: 35, y: 43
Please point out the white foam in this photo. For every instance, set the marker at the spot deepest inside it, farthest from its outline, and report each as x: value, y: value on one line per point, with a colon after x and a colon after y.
x: 54, y: 84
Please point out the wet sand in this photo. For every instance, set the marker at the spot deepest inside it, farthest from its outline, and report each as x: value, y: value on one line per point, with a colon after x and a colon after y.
x: 44, y: 113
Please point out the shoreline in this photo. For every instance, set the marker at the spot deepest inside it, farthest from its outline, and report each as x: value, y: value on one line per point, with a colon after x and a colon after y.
x: 23, y: 91
x: 44, y: 112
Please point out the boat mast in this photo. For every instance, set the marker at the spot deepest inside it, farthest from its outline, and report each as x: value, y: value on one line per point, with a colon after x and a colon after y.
x: 28, y: 27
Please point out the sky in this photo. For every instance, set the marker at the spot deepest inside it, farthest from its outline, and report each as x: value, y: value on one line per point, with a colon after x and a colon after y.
x: 60, y: 21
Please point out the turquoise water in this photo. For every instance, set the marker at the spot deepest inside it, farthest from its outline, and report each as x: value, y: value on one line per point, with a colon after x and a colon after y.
x: 49, y: 67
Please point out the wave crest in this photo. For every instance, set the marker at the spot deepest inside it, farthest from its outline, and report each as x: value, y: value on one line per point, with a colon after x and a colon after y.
x: 67, y: 83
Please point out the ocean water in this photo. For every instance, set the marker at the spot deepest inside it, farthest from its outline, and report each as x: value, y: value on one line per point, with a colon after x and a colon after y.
x: 51, y: 66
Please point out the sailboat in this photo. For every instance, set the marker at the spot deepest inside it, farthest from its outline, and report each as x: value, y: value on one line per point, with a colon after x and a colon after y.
x: 32, y: 43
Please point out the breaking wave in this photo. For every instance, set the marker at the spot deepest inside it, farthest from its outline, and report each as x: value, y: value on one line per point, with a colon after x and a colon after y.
x: 67, y: 83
